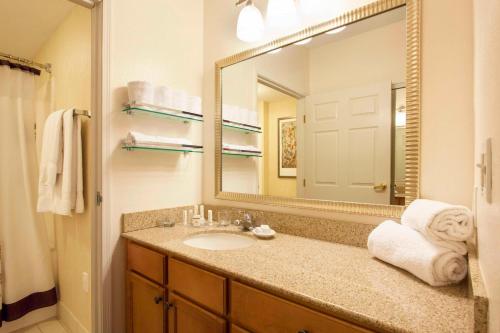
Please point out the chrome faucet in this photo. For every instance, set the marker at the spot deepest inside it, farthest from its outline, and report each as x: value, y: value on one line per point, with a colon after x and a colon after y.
x: 246, y: 223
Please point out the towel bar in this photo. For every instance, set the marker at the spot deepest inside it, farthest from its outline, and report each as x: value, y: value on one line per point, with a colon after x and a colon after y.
x: 78, y: 112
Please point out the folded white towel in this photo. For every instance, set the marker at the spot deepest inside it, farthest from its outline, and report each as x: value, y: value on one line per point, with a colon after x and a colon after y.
x: 68, y: 194
x: 230, y: 146
x: 446, y: 225
x: 154, y: 140
x: 408, y: 249
x: 50, y: 160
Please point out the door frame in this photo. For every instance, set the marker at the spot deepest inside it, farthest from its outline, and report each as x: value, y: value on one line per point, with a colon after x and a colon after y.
x: 100, y: 234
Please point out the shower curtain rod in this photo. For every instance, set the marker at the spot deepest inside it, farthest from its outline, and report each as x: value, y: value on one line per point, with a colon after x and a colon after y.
x: 47, y: 66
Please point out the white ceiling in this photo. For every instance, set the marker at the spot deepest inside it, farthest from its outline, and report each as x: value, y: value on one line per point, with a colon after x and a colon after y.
x: 26, y: 24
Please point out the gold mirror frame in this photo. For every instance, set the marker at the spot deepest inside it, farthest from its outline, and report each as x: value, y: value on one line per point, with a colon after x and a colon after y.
x: 413, y: 26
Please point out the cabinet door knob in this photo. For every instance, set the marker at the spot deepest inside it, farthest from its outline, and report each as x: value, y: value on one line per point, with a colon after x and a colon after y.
x: 303, y: 331
x: 168, y: 305
x: 158, y: 299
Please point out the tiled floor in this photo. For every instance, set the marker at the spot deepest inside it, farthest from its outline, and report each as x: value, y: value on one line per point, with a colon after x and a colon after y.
x: 51, y: 326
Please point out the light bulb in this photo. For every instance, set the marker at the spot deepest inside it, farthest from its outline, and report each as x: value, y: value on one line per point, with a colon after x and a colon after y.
x: 250, y: 27
x: 281, y: 14
x: 304, y: 41
x: 336, y: 30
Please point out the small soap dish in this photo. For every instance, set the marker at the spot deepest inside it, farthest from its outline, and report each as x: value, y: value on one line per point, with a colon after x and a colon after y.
x: 264, y: 232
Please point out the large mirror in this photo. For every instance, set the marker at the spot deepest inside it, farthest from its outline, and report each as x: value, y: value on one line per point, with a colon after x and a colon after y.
x: 322, y: 116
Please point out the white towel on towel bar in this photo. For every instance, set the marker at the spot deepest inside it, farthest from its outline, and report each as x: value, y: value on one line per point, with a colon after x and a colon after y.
x: 446, y: 225
x: 408, y: 249
x: 50, y: 160
x: 68, y: 194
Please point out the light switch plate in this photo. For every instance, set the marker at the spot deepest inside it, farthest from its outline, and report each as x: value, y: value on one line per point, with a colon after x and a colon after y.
x: 488, y: 161
x: 485, y: 167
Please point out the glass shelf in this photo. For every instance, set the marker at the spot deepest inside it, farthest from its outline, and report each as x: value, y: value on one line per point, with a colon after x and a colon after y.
x: 240, y: 154
x: 164, y: 149
x: 241, y: 127
x: 161, y: 112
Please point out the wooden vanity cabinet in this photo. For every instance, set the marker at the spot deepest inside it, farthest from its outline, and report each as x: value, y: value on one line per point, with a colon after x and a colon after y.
x: 167, y: 295
x: 146, y: 290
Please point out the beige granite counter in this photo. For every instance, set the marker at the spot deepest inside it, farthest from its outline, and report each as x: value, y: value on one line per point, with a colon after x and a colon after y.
x: 341, y: 280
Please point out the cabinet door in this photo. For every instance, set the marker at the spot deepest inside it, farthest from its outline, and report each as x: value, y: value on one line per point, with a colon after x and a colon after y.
x: 186, y: 317
x: 236, y: 329
x: 145, y: 306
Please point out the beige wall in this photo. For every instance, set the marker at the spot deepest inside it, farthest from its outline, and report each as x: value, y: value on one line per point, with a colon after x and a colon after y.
x: 447, y: 117
x: 274, y: 185
x: 68, y: 50
x: 487, y: 125
x: 160, y: 41
x: 373, y: 56
x: 446, y: 170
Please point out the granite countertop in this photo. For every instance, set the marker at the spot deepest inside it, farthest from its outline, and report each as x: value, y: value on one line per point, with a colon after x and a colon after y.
x: 341, y: 280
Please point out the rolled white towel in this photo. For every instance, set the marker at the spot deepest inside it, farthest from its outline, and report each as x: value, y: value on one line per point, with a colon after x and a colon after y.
x: 408, y: 249
x: 444, y: 224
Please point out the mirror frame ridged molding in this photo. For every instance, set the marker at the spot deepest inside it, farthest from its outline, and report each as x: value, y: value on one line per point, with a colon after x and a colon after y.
x: 413, y: 105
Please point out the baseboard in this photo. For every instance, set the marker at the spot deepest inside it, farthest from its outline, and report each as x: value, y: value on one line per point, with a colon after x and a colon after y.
x: 68, y: 319
x: 30, y: 319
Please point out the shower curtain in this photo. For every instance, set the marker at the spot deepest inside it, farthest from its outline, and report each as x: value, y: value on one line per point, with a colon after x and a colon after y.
x: 27, y: 280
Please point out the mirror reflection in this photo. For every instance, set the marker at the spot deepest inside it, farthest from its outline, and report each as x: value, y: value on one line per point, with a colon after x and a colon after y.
x: 323, y: 118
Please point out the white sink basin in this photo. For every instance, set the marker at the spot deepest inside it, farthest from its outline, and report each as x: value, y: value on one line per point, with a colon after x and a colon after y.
x: 219, y: 241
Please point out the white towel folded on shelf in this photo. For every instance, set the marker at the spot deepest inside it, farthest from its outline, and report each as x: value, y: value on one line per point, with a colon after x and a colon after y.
x: 408, y: 249
x: 50, y: 160
x: 446, y: 225
x: 230, y: 146
x: 134, y: 138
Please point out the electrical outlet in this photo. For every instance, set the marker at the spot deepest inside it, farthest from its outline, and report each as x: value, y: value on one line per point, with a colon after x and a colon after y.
x: 85, y: 282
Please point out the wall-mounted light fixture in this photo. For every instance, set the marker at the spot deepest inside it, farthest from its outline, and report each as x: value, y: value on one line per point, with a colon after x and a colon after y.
x: 250, y: 27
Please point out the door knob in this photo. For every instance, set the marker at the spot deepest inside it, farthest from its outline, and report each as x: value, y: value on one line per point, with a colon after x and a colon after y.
x: 158, y: 299
x: 379, y: 187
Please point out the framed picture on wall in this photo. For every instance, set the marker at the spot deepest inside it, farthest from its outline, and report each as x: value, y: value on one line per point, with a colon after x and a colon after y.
x: 287, y: 147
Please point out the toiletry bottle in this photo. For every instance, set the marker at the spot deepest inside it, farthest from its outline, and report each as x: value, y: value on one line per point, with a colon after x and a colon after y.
x: 210, y: 218
x: 202, y: 215
x: 196, y: 220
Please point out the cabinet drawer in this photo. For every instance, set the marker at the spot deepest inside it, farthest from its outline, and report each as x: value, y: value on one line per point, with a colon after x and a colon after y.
x: 200, y: 286
x: 260, y: 312
x: 147, y: 262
